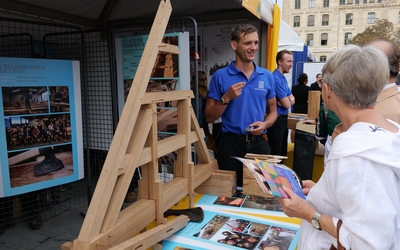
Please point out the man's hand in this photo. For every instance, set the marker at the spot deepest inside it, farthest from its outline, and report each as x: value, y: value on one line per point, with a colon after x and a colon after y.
x: 234, y: 91
x: 257, y: 128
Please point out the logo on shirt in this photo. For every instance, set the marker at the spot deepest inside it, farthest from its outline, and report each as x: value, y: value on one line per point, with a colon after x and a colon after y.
x: 260, y: 84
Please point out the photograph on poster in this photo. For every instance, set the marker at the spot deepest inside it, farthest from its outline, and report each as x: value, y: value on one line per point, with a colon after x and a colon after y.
x: 278, y: 238
x: 40, y: 164
x: 257, y: 202
x: 245, y: 233
x: 36, y: 131
x: 244, y: 201
x: 59, y: 99
x: 25, y: 100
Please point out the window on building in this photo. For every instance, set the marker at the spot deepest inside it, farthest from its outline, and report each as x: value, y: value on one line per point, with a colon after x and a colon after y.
x: 357, y: 1
x: 310, y: 39
x: 322, y: 58
x: 296, y: 21
x: 365, y: 1
x: 297, y: 4
x: 342, y: 2
x: 371, y: 17
x: 349, y: 19
x: 325, y: 20
x: 347, y: 37
x: 311, y: 4
x: 326, y: 3
x: 324, y: 39
x: 379, y: 1
x: 398, y: 19
x: 310, y: 20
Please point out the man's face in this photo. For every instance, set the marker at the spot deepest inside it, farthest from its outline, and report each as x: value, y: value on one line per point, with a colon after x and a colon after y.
x: 319, y: 79
x: 286, y: 63
x: 246, y: 48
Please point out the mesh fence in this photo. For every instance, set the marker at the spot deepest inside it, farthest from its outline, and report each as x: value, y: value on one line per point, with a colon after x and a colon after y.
x: 95, y: 50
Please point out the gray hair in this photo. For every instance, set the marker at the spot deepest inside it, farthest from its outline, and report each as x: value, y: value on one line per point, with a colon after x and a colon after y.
x: 357, y: 75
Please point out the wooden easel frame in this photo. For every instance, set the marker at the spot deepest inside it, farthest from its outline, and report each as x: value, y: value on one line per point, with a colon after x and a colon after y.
x: 135, y: 143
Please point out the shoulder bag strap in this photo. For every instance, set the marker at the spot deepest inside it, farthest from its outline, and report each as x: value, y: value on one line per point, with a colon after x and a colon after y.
x: 339, y: 246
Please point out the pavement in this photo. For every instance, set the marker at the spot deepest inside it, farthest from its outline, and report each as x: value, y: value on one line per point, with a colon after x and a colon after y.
x: 54, y: 232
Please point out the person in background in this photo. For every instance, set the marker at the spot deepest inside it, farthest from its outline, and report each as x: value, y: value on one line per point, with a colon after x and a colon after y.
x: 28, y: 98
x: 201, y: 96
x: 317, y: 84
x: 242, y: 94
x: 325, y: 126
x: 389, y: 98
x: 278, y: 133
x: 363, y: 162
x: 300, y: 93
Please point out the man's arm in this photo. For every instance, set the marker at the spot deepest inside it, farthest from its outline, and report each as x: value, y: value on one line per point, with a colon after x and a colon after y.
x: 213, y: 109
x: 287, y: 101
x: 272, y: 114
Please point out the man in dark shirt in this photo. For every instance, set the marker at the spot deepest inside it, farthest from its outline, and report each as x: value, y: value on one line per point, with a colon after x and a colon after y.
x: 318, y: 82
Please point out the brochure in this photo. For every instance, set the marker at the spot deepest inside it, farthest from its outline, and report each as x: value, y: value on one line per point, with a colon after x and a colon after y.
x: 271, y: 177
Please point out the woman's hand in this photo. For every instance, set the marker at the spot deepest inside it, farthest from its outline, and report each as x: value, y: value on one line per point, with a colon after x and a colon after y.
x: 307, y: 185
x: 294, y: 206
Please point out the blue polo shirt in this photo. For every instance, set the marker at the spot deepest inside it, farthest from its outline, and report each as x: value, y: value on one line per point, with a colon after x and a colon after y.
x: 251, y: 105
x: 281, y: 89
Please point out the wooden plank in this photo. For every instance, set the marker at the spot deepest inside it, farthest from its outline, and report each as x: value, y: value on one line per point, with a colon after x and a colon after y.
x: 142, y: 213
x: 184, y: 125
x: 134, y: 150
x: 166, y: 96
x: 174, y: 191
x: 168, y: 48
x: 154, y: 235
x: 203, y: 171
x: 94, y: 218
x: 199, y: 145
x: 314, y: 104
x: 166, y: 146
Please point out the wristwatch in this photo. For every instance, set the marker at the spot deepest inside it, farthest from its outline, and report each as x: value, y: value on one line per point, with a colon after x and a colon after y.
x: 315, y: 221
x: 222, y: 101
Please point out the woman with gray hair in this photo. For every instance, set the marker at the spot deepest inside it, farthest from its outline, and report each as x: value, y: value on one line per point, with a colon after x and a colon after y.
x: 359, y: 190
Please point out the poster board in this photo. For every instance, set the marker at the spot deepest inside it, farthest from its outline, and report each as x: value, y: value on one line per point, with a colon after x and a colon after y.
x: 238, y: 222
x: 41, y: 143
x: 129, y: 53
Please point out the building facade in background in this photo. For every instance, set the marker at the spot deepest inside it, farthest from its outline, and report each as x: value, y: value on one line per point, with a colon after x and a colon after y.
x: 327, y: 25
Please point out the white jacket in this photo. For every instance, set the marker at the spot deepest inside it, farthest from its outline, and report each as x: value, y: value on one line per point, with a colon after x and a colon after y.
x: 361, y: 186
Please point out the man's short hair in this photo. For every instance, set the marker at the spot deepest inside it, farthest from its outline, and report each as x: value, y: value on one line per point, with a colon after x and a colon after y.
x: 242, y: 29
x: 392, y: 53
x: 279, y: 55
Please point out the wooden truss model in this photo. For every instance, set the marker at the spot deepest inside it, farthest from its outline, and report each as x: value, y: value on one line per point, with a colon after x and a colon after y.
x: 135, y: 143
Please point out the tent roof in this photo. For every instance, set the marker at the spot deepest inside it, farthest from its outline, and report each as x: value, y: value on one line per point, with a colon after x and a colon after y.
x: 94, y: 13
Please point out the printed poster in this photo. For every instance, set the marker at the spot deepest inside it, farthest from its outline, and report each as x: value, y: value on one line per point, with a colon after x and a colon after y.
x: 240, y: 228
x: 41, y: 143
x: 170, y: 71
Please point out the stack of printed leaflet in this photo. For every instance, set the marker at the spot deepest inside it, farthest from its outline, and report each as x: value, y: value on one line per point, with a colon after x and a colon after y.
x: 271, y: 176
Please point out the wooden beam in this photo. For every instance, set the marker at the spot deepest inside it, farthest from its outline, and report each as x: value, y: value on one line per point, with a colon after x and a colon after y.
x: 154, y: 235
x: 97, y: 211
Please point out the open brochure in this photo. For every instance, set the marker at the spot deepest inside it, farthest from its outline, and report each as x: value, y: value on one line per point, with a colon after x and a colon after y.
x: 271, y: 177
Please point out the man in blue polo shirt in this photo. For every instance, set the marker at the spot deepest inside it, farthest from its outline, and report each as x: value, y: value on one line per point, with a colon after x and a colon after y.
x: 278, y: 132
x: 243, y: 95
